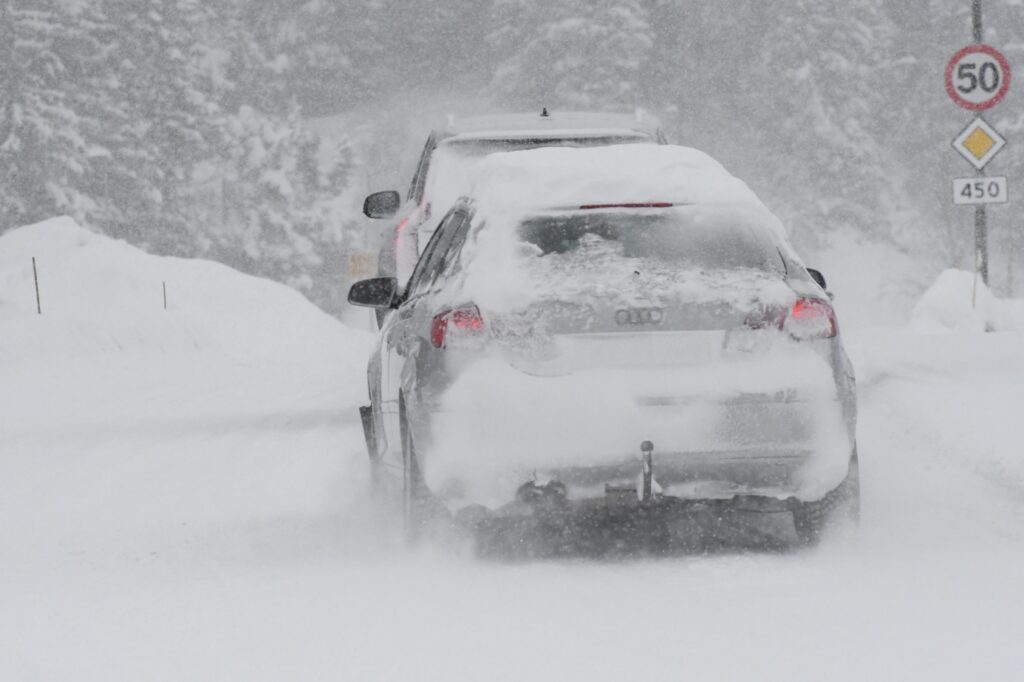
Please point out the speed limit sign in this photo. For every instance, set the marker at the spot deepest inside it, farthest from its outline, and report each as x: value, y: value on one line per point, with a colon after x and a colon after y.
x: 978, y: 77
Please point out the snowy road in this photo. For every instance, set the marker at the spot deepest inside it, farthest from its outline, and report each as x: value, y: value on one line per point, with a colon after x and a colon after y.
x: 204, y: 523
x: 182, y: 497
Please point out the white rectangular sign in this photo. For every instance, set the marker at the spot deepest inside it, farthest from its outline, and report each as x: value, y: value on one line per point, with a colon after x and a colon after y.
x: 973, y: 191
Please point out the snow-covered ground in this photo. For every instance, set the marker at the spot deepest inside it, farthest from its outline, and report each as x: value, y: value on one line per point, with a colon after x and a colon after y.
x: 182, y: 497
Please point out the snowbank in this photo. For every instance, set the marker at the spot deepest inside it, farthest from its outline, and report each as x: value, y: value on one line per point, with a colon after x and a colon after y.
x: 958, y: 303
x: 103, y: 298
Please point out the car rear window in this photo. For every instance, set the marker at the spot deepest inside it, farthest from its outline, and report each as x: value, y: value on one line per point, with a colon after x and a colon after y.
x: 686, y: 237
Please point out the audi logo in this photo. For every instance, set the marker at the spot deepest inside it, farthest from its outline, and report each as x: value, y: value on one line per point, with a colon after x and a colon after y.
x: 638, y: 316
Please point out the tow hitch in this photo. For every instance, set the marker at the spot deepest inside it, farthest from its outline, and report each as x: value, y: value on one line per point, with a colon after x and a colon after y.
x: 646, y: 472
x: 630, y: 517
x: 646, y: 491
x: 552, y: 498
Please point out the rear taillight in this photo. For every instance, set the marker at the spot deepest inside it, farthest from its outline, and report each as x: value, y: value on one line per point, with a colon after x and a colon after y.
x: 462, y: 323
x: 810, y: 318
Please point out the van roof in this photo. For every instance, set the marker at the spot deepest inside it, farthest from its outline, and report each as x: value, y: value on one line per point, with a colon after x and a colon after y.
x: 561, y: 124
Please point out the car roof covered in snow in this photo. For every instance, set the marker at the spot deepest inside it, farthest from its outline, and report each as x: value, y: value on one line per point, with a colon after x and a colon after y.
x: 559, y: 178
x: 559, y: 124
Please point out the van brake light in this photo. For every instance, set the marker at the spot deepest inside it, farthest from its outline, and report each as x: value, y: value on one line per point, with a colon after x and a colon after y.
x: 400, y: 228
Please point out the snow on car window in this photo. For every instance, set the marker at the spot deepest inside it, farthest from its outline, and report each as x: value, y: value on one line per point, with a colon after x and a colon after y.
x: 688, y: 253
x: 716, y: 239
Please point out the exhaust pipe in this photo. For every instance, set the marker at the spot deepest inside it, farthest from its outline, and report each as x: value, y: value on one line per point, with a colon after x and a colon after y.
x: 551, y: 495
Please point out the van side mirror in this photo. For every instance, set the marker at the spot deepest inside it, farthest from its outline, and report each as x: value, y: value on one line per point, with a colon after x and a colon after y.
x: 382, y: 204
x: 378, y: 292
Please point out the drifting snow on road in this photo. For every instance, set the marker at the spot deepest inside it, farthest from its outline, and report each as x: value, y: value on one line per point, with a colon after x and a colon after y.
x: 175, y: 508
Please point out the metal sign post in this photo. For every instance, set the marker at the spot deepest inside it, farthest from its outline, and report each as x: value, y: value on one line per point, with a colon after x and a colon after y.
x: 977, y: 79
x: 980, y: 214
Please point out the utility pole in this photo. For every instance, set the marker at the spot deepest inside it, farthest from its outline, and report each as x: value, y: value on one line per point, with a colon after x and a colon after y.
x: 980, y: 214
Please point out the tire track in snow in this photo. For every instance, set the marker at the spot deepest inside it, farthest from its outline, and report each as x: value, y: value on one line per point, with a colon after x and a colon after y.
x: 923, y: 457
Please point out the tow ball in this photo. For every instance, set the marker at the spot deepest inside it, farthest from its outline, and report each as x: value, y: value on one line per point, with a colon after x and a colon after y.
x: 646, y: 492
x: 553, y: 494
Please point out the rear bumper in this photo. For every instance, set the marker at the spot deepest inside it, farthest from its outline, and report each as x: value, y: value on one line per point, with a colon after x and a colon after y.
x: 616, y: 507
x: 717, y: 474
x: 793, y: 443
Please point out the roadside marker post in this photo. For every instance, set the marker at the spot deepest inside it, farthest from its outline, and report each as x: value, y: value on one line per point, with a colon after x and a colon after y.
x: 35, y: 276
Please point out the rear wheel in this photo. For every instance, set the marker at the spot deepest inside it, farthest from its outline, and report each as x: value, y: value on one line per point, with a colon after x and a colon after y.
x: 812, y: 520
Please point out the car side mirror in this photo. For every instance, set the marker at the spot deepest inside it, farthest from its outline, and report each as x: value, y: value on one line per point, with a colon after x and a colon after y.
x: 818, y: 278
x: 382, y: 204
x: 379, y: 292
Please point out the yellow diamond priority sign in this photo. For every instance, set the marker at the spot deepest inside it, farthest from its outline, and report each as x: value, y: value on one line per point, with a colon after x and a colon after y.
x: 978, y: 143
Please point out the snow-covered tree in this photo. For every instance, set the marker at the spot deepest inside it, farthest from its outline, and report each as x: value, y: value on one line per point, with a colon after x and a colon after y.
x: 171, y: 119
x: 49, y: 110
x: 276, y: 218
x: 828, y: 73
x: 567, y: 54
x: 326, y: 55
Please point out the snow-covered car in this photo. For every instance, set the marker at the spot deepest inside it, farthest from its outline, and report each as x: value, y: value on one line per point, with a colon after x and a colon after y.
x: 617, y: 328
x: 445, y: 167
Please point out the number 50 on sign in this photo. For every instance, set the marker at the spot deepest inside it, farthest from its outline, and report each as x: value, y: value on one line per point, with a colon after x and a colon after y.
x: 978, y: 77
x: 980, y: 190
